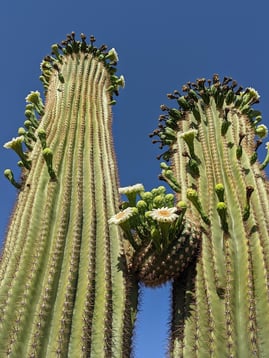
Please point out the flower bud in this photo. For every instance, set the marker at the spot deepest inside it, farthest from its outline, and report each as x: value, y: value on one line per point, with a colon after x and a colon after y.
x: 261, y: 131
x: 48, y: 156
x: 10, y: 176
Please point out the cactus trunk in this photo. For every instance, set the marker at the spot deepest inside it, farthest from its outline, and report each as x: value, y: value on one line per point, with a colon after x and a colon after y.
x: 65, y: 288
x: 220, y: 305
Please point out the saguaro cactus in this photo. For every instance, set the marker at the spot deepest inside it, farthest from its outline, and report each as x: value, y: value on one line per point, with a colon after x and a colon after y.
x: 64, y: 285
x: 221, y: 301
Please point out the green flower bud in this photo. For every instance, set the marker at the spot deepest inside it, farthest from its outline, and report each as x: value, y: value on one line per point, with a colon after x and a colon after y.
x: 27, y: 124
x: 158, y: 191
x: 141, y: 206
x: 147, y: 197
x: 175, y: 113
x: 182, y: 101
x: 266, y: 160
x: 28, y: 113
x: 10, y: 176
x: 169, y: 132
x: 48, y: 156
x: 261, y: 131
x: 219, y: 189
x: 42, y: 136
x: 182, y: 205
x: 21, y: 131
x: 169, y: 200
x: 60, y: 77
x: 55, y: 51
x: 20, y: 164
x: 192, y: 195
x: 168, y: 176
x: 164, y: 165
x: 158, y: 201
x: 222, y: 211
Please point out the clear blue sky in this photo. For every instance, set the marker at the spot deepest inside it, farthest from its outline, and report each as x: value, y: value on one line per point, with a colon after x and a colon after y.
x: 162, y: 45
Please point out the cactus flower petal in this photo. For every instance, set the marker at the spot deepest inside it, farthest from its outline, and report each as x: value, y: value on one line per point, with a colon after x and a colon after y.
x: 164, y: 214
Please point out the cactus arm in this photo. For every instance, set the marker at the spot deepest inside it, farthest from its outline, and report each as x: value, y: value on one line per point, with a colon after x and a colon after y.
x: 65, y: 288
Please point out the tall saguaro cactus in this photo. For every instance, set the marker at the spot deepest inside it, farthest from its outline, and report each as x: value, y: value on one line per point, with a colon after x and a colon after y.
x: 221, y: 302
x: 64, y: 282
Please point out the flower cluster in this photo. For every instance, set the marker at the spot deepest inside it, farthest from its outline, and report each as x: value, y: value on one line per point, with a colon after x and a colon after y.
x: 149, y: 216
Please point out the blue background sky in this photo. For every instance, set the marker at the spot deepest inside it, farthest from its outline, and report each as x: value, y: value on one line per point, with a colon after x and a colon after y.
x: 161, y: 45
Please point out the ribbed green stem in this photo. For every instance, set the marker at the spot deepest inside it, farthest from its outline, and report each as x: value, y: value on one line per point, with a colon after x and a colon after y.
x: 65, y: 286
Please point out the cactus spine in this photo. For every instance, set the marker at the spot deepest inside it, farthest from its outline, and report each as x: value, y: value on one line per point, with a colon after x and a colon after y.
x: 221, y: 301
x: 65, y: 288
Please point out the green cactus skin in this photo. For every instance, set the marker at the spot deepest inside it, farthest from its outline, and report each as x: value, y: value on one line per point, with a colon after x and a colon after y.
x: 220, y: 304
x: 64, y: 285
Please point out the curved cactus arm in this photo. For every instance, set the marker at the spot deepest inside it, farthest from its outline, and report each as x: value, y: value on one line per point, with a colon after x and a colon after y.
x: 216, y: 133
x: 65, y: 288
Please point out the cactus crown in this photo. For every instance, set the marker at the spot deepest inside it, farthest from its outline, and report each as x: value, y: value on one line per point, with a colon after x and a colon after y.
x: 228, y: 96
x: 50, y: 66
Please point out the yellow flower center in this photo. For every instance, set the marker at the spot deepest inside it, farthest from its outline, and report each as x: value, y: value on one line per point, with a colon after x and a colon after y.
x: 164, y: 213
x: 120, y: 215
